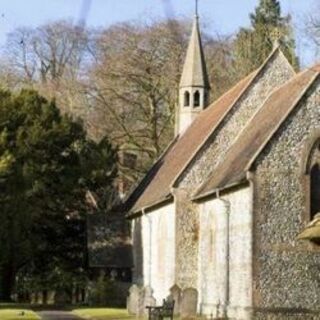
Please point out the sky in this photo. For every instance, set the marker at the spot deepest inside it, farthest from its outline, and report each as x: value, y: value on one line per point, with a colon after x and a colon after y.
x: 222, y: 16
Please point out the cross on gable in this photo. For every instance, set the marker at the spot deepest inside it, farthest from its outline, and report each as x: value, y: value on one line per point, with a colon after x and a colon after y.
x: 276, y: 35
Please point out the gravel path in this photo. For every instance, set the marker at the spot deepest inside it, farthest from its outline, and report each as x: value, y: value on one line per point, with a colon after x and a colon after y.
x: 57, y: 315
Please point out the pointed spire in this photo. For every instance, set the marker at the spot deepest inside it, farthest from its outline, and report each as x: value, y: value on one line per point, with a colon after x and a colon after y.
x: 194, y: 71
x: 194, y: 85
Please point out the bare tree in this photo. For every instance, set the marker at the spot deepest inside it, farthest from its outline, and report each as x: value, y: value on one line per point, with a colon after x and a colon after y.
x: 135, y: 79
x: 312, y: 29
x: 51, y: 59
x: 123, y: 80
x: 134, y: 84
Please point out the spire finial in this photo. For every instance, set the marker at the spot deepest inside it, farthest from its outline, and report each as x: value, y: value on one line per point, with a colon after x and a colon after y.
x: 196, y: 8
x: 276, y: 37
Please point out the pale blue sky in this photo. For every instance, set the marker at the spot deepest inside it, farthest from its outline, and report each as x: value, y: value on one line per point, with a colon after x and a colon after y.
x: 223, y: 16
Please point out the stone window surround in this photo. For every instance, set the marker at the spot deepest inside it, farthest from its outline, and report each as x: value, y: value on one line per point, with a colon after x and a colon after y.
x: 186, y: 99
x: 196, y: 99
x: 306, y: 165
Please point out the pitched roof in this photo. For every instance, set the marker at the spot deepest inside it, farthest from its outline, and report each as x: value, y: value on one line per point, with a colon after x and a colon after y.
x: 257, y: 133
x: 155, y: 187
x: 194, y: 72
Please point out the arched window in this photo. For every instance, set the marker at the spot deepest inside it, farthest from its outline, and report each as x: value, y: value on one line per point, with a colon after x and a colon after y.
x: 196, y: 99
x: 186, y: 99
x: 314, y: 190
x: 311, y: 168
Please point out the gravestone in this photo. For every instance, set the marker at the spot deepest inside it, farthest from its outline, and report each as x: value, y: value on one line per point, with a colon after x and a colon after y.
x: 189, y: 303
x: 175, y: 294
x: 133, y: 300
x: 148, y: 300
x: 51, y: 295
x: 33, y: 298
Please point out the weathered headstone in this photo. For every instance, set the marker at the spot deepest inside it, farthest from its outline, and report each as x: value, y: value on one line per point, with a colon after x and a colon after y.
x: 133, y: 300
x: 51, y: 295
x: 33, y: 298
x: 175, y: 294
x: 39, y: 298
x: 148, y: 300
x: 189, y: 303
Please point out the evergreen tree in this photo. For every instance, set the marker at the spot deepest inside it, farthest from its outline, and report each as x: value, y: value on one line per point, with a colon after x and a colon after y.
x: 253, y: 45
x: 47, y: 165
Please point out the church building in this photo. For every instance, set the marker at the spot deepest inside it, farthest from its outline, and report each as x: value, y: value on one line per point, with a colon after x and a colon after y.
x: 222, y: 208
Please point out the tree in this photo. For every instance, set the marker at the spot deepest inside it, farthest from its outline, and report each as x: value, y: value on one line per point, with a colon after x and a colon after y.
x: 47, y: 167
x: 50, y: 59
x: 253, y: 45
x: 312, y: 29
x: 134, y: 83
x: 122, y: 81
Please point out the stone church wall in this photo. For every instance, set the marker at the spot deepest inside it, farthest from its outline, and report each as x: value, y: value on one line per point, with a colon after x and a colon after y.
x: 276, y: 72
x: 286, y: 271
x: 156, y: 258
x: 225, y: 255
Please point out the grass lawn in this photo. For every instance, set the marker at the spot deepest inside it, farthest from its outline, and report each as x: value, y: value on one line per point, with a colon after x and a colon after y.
x: 16, y: 314
x: 102, y: 313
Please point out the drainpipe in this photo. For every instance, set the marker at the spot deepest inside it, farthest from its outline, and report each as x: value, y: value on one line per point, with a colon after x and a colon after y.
x: 225, y: 213
x: 150, y: 245
x: 251, y: 178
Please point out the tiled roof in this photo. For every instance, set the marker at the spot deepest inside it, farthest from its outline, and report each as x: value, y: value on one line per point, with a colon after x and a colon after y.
x: 257, y: 133
x: 155, y: 187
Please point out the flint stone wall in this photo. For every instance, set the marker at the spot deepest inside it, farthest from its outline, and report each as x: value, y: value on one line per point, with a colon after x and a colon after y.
x: 276, y: 72
x: 286, y: 271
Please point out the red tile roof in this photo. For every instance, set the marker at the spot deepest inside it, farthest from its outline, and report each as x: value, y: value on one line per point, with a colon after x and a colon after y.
x: 257, y: 133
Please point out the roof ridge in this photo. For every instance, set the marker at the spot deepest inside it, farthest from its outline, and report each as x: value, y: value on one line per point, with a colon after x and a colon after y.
x: 256, y: 74
x: 198, y: 193
x: 170, y: 165
x: 295, y: 103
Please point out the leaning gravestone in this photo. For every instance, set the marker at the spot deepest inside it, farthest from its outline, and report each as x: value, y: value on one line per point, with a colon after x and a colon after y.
x: 133, y: 300
x: 189, y: 303
x: 175, y: 295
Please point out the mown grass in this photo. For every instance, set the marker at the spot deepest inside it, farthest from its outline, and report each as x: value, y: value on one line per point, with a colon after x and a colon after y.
x: 17, y: 314
x: 103, y: 314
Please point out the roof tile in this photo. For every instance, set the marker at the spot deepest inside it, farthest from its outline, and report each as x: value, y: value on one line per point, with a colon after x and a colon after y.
x: 257, y: 133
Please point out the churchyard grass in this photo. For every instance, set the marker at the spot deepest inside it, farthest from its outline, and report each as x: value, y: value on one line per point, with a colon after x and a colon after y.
x: 109, y: 314
x: 17, y: 314
x: 103, y: 313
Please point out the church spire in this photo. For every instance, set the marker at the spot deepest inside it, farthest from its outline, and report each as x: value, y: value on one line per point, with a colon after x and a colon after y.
x: 194, y: 84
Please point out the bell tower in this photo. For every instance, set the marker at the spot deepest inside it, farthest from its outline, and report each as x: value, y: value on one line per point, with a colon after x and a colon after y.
x: 194, y: 85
